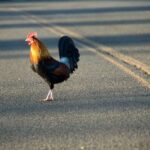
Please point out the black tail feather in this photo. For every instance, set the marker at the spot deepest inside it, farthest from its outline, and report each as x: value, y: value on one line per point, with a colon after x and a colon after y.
x: 68, y: 50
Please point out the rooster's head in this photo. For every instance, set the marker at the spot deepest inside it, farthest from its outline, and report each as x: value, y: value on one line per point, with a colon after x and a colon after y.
x: 30, y: 38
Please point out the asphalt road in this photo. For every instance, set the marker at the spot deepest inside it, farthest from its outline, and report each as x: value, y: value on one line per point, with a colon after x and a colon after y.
x: 105, y: 105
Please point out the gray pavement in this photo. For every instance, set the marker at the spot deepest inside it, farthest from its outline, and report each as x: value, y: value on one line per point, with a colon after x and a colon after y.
x: 100, y: 106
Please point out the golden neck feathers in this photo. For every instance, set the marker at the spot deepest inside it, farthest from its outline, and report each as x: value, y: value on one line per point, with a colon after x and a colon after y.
x: 38, y: 51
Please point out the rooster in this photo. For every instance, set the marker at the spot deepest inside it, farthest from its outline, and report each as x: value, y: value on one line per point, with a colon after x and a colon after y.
x: 51, y: 70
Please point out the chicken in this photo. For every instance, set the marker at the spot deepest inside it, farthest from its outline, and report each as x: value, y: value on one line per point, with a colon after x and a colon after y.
x: 51, y: 70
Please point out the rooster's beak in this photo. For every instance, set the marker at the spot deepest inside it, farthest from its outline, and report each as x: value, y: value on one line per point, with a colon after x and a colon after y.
x: 26, y: 40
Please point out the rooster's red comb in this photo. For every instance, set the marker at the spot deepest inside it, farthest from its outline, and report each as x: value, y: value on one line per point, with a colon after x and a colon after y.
x: 32, y: 34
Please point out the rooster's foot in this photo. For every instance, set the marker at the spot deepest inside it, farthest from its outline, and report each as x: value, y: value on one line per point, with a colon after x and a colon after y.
x: 49, y: 96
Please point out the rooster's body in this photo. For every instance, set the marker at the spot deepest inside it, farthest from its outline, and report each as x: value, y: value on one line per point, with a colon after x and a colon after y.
x: 51, y: 70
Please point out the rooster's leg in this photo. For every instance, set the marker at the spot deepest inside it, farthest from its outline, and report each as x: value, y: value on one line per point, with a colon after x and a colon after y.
x: 49, y: 96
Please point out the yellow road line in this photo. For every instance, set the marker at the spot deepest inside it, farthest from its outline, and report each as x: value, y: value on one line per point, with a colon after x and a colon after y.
x: 101, y: 50
x: 141, y: 80
x: 105, y: 49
